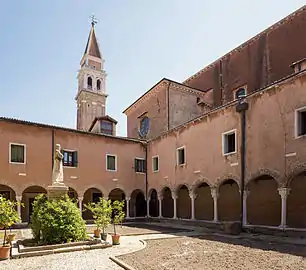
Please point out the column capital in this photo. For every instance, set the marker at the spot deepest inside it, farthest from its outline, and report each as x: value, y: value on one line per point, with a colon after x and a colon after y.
x: 160, y: 197
x: 80, y: 198
x: 128, y: 198
x: 246, y: 193
x: 283, y: 192
x: 105, y: 198
x: 214, y: 192
x: 192, y: 195
x: 18, y: 198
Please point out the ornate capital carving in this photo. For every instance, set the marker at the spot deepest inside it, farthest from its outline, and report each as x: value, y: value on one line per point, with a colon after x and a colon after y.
x: 192, y: 195
x: 283, y: 192
x: 214, y: 192
x: 127, y: 198
x: 80, y: 198
x: 18, y: 198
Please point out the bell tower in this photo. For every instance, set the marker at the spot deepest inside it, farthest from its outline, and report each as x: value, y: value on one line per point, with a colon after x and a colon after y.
x: 91, y: 95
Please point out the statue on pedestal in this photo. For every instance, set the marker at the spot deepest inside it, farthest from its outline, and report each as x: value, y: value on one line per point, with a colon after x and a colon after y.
x: 57, y: 173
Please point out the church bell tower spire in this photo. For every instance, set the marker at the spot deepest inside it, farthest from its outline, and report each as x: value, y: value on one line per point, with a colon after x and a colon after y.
x: 91, y: 95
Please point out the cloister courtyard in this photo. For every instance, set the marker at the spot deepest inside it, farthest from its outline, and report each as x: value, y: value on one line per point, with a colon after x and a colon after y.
x: 166, y: 246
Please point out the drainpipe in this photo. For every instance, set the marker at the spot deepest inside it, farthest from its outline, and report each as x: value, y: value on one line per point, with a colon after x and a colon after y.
x: 146, y: 173
x: 168, y: 107
x: 241, y: 108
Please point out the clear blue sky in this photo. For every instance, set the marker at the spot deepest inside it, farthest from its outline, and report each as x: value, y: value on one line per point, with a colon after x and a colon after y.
x: 142, y: 41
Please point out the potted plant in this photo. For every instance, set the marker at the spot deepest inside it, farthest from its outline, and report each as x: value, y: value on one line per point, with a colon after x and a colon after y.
x: 8, y: 217
x: 118, y: 216
x: 102, y: 216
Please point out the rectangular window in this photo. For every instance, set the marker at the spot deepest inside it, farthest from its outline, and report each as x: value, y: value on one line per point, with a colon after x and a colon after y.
x: 155, y: 163
x: 17, y: 153
x: 229, y: 142
x: 300, y: 124
x: 181, y: 156
x: 140, y: 165
x: 106, y: 127
x: 70, y: 158
x: 111, y: 163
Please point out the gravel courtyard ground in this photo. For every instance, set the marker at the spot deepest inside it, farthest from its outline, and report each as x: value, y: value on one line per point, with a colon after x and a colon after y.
x: 218, y: 253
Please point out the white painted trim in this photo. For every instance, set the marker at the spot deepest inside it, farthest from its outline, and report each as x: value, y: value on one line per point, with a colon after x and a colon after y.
x: 291, y: 154
x: 111, y: 155
x: 24, y: 153
x: 155, y: 171
x: 223, y: 142
x: 177, y: 156
x: 296, y: 113
x: 140, y: 158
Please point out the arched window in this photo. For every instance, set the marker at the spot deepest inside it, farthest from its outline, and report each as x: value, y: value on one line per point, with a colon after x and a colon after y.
x: 98, y: 84
x: 89, y: 83
x: 240, y: 93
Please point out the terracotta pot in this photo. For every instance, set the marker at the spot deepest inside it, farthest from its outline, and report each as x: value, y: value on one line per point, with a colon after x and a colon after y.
x: 104, y: 236
x: 97, y: 233
x: 116, y: 239
x: 4, y: 252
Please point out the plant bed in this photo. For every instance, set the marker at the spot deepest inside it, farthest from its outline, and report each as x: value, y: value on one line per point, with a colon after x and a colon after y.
x: 29, y: 245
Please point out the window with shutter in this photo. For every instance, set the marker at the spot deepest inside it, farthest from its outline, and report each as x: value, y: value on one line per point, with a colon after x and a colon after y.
x: 140, y: 165
x: 70, y: 158
x: 17, y: 153
x: 181, y: 160
x: 111, y: 163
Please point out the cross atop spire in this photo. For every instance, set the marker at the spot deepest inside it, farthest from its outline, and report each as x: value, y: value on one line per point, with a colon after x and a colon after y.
x: 93, y: 20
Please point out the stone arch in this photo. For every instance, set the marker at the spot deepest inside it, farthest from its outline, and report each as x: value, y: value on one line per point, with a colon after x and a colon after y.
x: 138, y: 206
x: 17, y: 189
x: 296, y: 171
x: 7, y: 192
x: 28, y: 196
x: 263, y: 171
x: 229, y: 200
x: 266, y: 208
x: 203, y: 204
x: 117, y: 194
x: 220, y: 180
x: 92, y: 194
x: 81, y: 192
x: 167, y: 202
x: 89, y: 82
x: 195, y: 184
x: 183, y: 202
x: 296, y: 200
x: 153, y: 203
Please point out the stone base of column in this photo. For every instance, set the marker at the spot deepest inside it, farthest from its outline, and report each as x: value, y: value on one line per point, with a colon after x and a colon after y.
x: 57, y: 191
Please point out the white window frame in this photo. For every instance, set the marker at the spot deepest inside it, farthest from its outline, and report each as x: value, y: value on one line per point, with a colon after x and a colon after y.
x: 24, y: 152
x: 177, y: 155
x: 69, y: 150
x: 296, y: 122
x: 140, y: 158
x: 242, y: 86
x: 233, y: 131
x: 111, y: 155
x: 157, y: 156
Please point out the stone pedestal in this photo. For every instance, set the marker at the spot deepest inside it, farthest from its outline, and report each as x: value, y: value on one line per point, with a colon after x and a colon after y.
x: 57, y: 191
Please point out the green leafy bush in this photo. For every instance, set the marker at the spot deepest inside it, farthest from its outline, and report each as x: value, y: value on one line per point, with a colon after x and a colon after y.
x: 102, y: 211
x: 56, y: 221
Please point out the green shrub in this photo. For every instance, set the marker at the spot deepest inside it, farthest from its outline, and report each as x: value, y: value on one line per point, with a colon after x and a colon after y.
x: 118, y: 213
x: 56, y: 221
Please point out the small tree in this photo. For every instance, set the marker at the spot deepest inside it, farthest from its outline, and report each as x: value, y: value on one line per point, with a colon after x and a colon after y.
x: 118, y: 213
x: 102, y: 211
x: 8, y: 215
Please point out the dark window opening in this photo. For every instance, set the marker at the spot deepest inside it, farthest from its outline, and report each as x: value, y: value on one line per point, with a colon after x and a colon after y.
x: 17, y: 153
x: 98, y: 84
x: 155, y: 164
x: 181, y: 156
x: 140, y: 165
x: 198, y: 99
x: 240, y: 93
x: 111, y: 163
x: 89, y: 83
x: 301, y: 123
x: 106, y: 127
x: 96, y: 197
x: 229, y: 143
x: 70, y: 158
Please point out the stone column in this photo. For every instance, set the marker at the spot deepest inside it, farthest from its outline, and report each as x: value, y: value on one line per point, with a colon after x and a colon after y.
x: 128, y: 206
x: 174, y: 197
x: 192, y: 198
x: 215, y: 194
x: 80, y: 199
x: 284, y: 192
x: 244, y: 212
x: 160, y: 199
x: 18, y: 199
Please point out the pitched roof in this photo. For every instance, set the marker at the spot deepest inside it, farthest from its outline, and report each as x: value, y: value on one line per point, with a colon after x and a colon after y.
x: 105, y: 117
x: 92, y: 47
